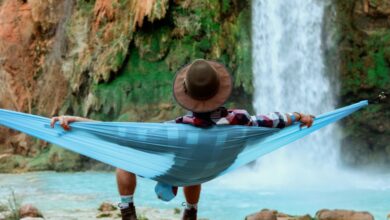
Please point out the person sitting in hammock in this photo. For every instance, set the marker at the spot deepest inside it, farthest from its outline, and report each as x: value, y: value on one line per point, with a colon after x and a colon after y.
x: 201, y: 87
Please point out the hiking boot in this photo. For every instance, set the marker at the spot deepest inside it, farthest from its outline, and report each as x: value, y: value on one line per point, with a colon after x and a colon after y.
x: 129, y: 212
x: 189, y: 214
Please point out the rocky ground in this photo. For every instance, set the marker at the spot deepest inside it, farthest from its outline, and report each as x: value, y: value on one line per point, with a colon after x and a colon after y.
x: 323, y: 214
x: 108, y: 211
x: 105, y: 212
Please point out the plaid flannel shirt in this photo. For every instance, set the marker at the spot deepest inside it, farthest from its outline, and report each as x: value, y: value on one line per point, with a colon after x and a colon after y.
x: 223, y: 116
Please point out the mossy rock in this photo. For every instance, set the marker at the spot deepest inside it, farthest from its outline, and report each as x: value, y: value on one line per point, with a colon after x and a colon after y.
x: 153, y: 47
x: 40, y: 162
x: 365, y: 72
x: 12, y: 163
x: 125, y: 73
x: 63, y: 160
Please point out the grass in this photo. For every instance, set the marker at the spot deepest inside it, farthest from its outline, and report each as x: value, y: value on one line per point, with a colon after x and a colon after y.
x: 141, y: 217
x: 12, y: 206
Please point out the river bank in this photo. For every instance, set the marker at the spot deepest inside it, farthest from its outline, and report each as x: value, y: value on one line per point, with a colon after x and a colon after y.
x: 76, y: 195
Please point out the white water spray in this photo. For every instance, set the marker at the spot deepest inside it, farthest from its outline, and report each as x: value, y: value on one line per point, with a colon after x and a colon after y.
x: 289, y: 75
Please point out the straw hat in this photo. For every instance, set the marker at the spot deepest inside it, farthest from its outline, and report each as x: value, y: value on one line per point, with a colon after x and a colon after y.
x: 202, y: 86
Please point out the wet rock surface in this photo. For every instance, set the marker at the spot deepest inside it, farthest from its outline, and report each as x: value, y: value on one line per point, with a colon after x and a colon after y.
x: 109, y: 60
x: 364, y: 51
x: 28, y: 210
x: 323, y: 214
x: 108, y: 210
x: 343, y: 215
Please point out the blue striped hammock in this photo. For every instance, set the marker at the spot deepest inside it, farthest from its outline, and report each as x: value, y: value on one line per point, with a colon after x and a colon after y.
x: 174, y: 154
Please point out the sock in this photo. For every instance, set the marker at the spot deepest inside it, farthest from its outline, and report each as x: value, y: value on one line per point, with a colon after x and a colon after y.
x: 192, y: 206
x: 125, y: 201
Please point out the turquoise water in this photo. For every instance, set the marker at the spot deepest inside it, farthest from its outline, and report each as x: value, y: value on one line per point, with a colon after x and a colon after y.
x: 87, y: 190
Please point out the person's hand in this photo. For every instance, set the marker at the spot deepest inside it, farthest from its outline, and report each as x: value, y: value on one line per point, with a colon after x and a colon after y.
x: 64, y: 121
x: 306, y: 120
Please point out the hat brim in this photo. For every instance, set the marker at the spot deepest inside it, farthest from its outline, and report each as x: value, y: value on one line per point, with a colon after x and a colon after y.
x: 194, y: 105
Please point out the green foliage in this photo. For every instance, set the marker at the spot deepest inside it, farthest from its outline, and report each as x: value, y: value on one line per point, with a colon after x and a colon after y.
x: 54, y: 158
x: 209, y: 19
x: 104, y: 215
x: 374, y: 3
x: 153, y: 46
x: 379, y: 73
x: 365, y: 71
x: 132, y: 87
x: 61, y: 159
x: 146, y: 78
x: 129, y: 73
x: 118, y: 50
x: 204, y: 45
x: 123, y: 2
x: 119, y: 58
x: 14, y: 205
x: 40, y: 162
x: 85, y: 6
x: 225, y: 6
x: 181, y: 52
x: 243, y: 46
x: 368, y: 66
x: 12, y: 163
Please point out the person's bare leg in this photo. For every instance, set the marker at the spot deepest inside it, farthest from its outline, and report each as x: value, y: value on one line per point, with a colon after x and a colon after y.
x: 192, y: 194
x: 126, y: 182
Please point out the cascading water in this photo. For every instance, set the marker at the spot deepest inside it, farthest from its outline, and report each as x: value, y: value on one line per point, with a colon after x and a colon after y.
x: 289, y: 75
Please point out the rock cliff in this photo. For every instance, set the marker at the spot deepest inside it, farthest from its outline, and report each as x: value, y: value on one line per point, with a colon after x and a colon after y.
x: 108, y: 60
x: 364, y: 47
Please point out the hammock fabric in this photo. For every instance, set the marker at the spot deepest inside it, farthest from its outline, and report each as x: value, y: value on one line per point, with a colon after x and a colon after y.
x: 174, y: 154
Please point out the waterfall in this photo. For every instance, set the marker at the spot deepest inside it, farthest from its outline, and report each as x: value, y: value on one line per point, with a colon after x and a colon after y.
x: 289, y: 75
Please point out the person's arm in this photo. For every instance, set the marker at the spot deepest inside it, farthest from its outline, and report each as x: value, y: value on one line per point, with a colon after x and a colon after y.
x: 305, y: 119
x: 66, y: 120
x: 281, y: 120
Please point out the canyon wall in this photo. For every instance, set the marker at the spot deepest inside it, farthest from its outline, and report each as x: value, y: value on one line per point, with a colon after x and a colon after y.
x: 364, y: 58
x: 109, y: 60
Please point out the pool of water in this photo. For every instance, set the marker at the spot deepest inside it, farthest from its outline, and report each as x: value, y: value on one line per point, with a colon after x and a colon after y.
x: 70, y: 192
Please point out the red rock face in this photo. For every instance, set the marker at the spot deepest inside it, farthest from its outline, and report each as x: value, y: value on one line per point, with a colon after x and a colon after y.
x: 52, y: 50
x: 370, y: 16
x: 25, y: 41
x: 27, y: 35
x: 33, y: 35
x: 16, y: 31
x: 29, y: 210
x: 343, y: 215
x: 16, y: 72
